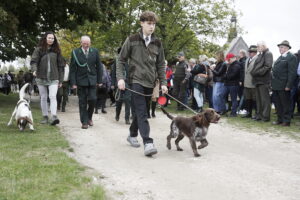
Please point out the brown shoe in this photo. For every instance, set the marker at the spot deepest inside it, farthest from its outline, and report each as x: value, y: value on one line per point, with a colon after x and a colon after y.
x: 85, y: 126
x: 285, y: 124
x: 90, y: 122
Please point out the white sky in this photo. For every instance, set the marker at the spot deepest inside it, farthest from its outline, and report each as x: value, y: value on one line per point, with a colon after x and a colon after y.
x: 272, y: 21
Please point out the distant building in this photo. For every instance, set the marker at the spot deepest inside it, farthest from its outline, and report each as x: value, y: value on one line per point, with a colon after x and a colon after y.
x: 236, y: 45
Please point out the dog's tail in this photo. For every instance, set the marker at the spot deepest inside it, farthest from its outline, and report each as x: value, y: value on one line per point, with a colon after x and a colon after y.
x: 22, y: 91
x: 168, y: 114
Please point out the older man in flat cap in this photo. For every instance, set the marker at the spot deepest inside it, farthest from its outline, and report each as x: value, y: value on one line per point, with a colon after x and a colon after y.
x: 284, y: 73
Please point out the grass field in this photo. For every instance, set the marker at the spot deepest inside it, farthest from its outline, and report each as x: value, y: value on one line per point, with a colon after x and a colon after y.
x: 34, y: 165
x: 253, y: 126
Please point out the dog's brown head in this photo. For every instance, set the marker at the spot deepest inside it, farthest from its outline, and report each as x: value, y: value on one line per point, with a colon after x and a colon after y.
x: 206, y: 117
x: 22, y: 122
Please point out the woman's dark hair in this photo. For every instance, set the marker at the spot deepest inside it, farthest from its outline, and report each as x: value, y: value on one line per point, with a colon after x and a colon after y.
x: 44, y: 46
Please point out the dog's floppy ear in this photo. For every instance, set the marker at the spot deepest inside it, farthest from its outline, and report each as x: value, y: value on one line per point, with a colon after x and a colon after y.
x: 200, y: 120
x: 29, y: 120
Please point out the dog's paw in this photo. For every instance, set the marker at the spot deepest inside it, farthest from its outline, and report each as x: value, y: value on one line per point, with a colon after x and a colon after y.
x: 202, y: 146
x: 8, y: 124
x: 169, y: 146
x: 179, y: 149
x: 197, y: 155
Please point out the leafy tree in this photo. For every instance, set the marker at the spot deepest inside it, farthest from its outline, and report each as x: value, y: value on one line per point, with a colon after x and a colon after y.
x: 185, y: 25
x: 21, y: 22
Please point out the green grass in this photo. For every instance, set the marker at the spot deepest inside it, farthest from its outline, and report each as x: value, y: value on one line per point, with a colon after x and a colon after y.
x: 34, y: 165
x: 250, y: 125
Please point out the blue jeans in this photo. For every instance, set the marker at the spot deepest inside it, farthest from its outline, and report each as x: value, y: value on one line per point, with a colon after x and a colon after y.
x: 218, y: 97
x: 233, y: 91
x: 199, y: 97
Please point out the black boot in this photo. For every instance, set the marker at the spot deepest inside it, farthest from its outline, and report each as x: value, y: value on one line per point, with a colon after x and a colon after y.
x: 153, y: 107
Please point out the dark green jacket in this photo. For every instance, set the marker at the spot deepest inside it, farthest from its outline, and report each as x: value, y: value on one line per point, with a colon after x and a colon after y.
x: 85, y: 71
x: 284, y: 72
x: 145, y: 62
x: 39, y: 64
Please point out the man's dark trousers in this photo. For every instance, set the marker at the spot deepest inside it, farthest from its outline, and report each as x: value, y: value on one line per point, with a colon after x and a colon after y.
x: 282, y: 104
x: 263, y: 102
x: 87, y: 101
x: 179, y: 90
x: 139, y: 112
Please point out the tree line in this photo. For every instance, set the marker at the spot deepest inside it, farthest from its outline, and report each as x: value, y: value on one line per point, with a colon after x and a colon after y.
x: 185, y: 25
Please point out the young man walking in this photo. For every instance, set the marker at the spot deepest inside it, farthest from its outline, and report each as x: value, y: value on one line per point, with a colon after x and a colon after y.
x: 145, y: 56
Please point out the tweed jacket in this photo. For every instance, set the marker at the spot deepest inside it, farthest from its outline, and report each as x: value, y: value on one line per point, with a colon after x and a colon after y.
x: 146, y: 63
x: 248, y: 81
x: 261, y: 72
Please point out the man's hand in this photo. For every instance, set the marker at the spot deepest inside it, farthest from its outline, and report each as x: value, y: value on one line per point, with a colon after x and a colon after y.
x: 34, y: 73
x: 121, y: 84
x: 59, y: 85
x: 74, y: 87
x: 287, y: 89
x: 164, y: 89
x: 184, y: 81
x: 112, y: 87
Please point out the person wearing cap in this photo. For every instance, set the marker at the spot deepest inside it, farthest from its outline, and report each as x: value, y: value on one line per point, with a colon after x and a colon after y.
x: 261, y: 74
x: 181, y: 77
x: 249, y: 87
x: 284, y: 73
x: 144, y: 54
x: 231, y: 81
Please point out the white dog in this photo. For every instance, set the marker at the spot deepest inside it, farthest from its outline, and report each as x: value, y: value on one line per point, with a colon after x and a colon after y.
x: 22, y: 112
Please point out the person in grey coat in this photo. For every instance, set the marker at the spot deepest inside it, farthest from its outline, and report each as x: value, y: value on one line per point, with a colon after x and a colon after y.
x: 284, y: 73
x: 261, y: 74
x: 249, y: 87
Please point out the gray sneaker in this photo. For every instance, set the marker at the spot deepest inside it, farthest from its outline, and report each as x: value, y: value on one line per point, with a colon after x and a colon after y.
x: 133, y: 141
x: 149, y: 149
x: 54, y: 120
x: 44, y: 120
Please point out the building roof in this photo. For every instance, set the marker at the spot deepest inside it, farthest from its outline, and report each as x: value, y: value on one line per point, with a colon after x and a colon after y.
x: 236, y: 45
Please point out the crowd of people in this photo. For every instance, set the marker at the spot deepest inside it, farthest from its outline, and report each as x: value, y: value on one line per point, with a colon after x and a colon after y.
x: 240, y: 84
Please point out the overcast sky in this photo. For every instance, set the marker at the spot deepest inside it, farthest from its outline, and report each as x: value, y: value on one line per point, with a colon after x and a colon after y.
x: 272, y: 21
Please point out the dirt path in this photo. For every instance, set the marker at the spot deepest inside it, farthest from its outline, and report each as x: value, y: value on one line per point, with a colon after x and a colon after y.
x: 236, y: 165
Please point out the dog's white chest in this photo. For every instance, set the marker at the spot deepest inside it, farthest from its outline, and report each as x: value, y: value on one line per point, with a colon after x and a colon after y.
x: 200, y: 133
